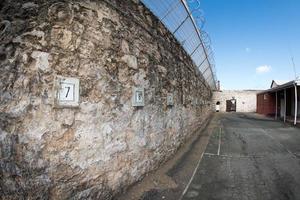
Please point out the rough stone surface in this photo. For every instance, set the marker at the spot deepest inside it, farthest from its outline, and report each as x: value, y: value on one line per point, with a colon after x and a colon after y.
x: 104, y: 145
x: 245, y: 99
x: 41, y: 60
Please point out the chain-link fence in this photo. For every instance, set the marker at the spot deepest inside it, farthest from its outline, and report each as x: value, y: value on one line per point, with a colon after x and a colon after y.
x: 184, y: 20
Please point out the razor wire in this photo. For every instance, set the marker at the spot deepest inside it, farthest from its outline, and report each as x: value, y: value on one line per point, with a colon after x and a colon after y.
x: 187, y: 26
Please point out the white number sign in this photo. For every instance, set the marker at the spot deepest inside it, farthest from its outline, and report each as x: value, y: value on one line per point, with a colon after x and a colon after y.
x: 170, y: 99
x: 138, y: 98
x: 67, y: 92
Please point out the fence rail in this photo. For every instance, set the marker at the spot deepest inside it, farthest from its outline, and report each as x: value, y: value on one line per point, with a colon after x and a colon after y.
x: 186, y: 25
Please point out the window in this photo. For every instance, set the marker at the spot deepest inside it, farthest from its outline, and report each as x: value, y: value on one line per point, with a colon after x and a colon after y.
x: 265, y: 97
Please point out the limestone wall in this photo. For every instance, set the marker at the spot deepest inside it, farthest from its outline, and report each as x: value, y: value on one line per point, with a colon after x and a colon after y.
x: 245, y: 99
x: 105, y: 144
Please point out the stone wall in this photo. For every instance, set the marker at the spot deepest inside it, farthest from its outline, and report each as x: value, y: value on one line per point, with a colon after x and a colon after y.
x: 104, y: 145
x: 245, y: 99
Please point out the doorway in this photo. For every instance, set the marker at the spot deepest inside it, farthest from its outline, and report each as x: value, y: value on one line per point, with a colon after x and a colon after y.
x: 218, y: 106
x: 231, y: 105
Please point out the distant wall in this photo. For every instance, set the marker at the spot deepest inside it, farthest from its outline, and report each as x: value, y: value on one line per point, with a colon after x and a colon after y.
x: 245, y: 99
x: 105, y: 144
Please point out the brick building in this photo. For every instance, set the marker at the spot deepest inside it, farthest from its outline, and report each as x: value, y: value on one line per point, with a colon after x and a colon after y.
x: 280, y: 101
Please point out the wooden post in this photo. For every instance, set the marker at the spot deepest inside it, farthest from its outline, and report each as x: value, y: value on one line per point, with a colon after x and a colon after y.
x: 296, y: 105
x: 276, y: 107
x: 284, y: 118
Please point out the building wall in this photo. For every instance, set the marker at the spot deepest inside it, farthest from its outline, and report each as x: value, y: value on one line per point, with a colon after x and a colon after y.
x: 245, y: 99
x: 105, y: 144
x: 292, y: 100
x: 266, y: 104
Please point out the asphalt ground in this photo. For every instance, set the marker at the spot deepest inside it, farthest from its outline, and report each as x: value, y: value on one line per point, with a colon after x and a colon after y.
x: 237, y: 156
x: 250, y: 157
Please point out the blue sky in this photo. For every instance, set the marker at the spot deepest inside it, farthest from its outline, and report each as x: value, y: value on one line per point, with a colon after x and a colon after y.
x: 252, y: 40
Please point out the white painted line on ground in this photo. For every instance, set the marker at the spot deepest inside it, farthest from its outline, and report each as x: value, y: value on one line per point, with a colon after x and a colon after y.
x: 219, y: 147
x: 189, y: 183
x: 235, y: 156
x: 211, y: 154
x: 198, y: 164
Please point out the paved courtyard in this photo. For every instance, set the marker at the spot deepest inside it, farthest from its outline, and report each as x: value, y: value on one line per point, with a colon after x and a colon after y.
x: 248, y: 157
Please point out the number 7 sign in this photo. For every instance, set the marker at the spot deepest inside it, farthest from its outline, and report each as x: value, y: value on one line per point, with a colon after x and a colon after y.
x: 66, y: 92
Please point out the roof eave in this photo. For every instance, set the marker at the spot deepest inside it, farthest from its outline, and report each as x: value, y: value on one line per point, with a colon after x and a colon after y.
x: 281, y: 87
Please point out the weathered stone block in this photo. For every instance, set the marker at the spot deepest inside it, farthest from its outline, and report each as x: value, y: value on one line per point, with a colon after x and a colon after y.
x: 41, y: 60
x: 130, y: 60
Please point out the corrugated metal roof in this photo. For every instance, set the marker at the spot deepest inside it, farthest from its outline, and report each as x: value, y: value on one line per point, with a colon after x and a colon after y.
x: 276, y: 83
x: 281, y: 87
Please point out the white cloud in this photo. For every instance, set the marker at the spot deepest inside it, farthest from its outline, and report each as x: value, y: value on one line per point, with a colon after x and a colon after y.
x: 263, y: 69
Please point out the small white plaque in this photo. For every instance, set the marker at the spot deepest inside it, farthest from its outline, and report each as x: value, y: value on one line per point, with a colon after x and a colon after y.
x: 170, y: 99
x: 138, y: 97
x: 67, y: 92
